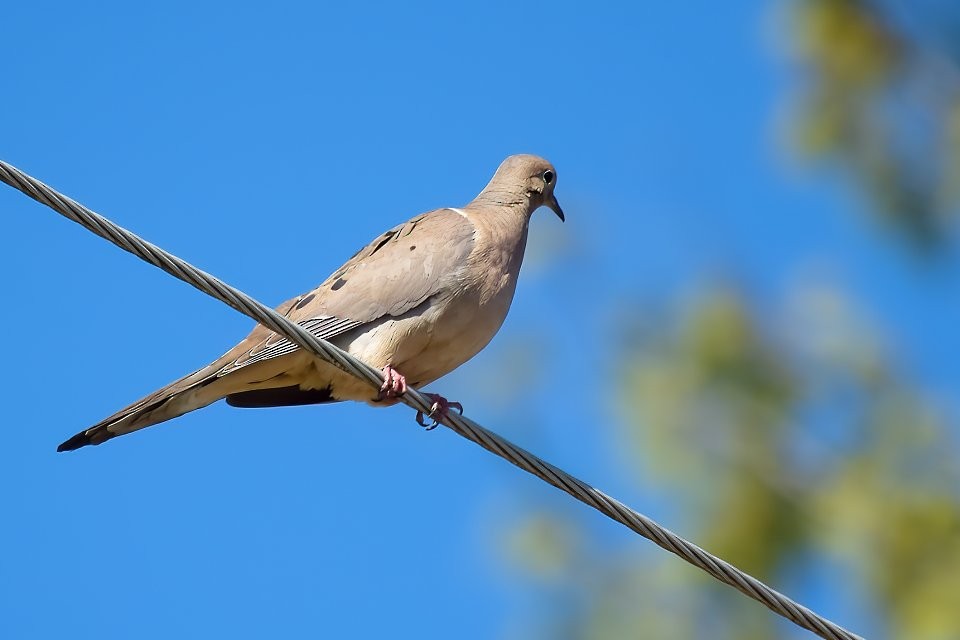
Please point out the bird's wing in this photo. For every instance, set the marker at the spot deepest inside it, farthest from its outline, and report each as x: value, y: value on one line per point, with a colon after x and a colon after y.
x: 396, y: 272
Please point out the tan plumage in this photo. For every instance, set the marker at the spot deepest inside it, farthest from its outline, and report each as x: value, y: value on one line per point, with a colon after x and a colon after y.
x: 423, y: 298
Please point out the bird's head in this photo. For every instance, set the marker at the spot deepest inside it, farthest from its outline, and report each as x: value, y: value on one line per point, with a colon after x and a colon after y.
x: 527, y: 178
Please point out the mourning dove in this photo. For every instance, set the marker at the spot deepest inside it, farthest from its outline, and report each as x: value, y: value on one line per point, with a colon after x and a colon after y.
x: 417, y: 302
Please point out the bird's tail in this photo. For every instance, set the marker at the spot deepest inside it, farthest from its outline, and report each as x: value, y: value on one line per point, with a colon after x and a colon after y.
x: 177, y: 398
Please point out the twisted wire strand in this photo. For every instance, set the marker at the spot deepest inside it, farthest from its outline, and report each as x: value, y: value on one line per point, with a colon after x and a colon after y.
x: 610, y: 507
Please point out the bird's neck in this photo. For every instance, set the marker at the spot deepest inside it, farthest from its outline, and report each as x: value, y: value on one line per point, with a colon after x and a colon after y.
x: 503, y: 214
x: 508, y: 198
x: 505, y: 203
x: 501, y: 237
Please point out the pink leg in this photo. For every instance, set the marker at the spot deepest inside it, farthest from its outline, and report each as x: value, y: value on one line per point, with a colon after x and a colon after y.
x: 439, y: 411
x: 394, y: 384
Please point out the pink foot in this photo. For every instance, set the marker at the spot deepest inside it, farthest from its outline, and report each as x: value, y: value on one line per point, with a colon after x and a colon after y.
x: 394, y: 384
x: 439, y: 411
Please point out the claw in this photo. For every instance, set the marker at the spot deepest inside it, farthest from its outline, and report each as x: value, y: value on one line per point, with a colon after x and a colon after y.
x: 428, y: 426
x: 438, y: 411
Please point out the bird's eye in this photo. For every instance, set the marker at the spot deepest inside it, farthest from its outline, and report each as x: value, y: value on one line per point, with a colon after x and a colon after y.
x: 548, y: 176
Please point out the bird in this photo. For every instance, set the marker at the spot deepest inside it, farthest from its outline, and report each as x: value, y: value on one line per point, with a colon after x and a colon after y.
x: 417, y: 302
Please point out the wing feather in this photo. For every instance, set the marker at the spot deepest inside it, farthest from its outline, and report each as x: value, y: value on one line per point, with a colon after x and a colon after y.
x: 396, y: 272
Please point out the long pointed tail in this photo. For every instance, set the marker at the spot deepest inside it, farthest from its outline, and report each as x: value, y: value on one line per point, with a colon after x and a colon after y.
x: 177, y: 398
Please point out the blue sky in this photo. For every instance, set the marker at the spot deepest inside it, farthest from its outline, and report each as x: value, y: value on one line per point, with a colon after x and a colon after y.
x: 266, y: 145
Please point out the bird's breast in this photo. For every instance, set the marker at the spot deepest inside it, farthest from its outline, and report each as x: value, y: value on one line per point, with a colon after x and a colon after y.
x: 469, y: 318
x: 435, y: 338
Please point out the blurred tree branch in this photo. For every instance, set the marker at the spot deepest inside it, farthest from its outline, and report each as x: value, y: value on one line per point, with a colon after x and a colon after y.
x: 884, y: 100
x: 787, y: 437
x: 797, y: 450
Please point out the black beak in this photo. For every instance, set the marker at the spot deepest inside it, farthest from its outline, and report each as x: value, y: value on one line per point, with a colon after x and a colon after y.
x: 555, y: 206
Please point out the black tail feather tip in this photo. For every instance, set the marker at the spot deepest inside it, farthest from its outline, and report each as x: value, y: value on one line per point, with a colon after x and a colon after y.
x: 77, y: 441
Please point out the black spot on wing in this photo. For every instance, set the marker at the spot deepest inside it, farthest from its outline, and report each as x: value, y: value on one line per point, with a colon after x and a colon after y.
x: 387, y: 237
x: 305, y: 301
x: 339, y: 283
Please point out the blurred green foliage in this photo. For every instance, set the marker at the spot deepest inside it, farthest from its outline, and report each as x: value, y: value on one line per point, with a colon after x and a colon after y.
x: 884, y: 101
x: 787, y: 436
x: 717, y: 401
